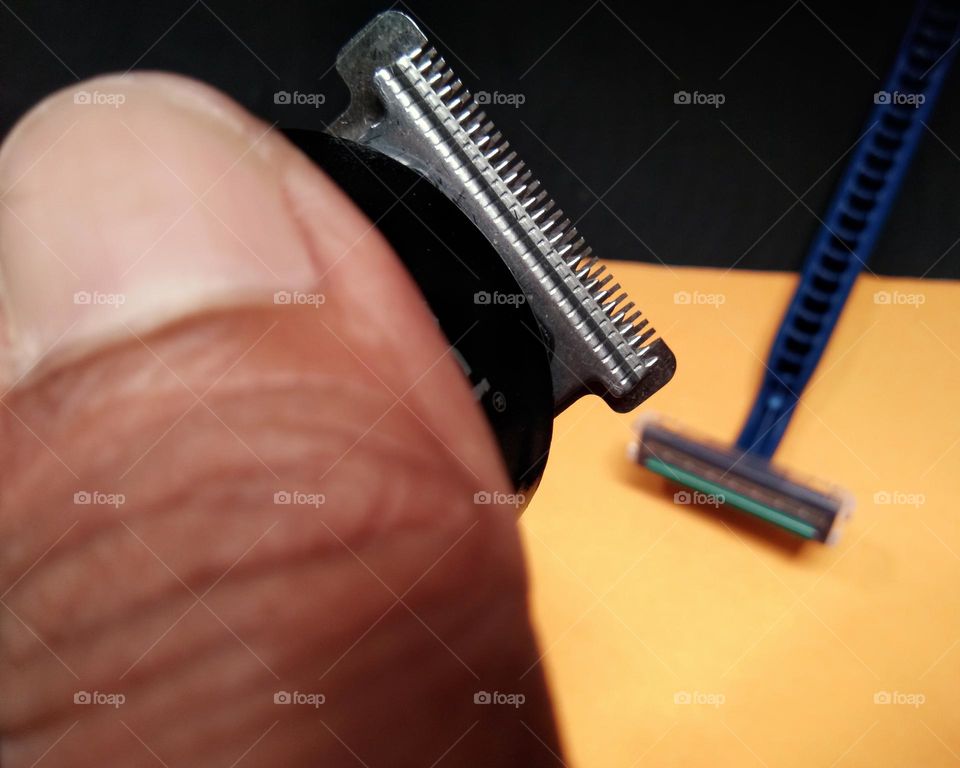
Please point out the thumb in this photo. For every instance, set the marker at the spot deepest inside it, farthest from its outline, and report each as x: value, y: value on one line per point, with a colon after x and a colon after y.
x: 238, y: 462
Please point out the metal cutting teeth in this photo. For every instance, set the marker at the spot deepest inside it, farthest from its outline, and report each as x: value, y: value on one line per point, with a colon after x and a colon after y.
x: 407, y: 103
x: 561, y: 233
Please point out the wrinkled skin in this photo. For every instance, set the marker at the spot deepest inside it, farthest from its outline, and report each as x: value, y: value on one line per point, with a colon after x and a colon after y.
x: 198, y: 399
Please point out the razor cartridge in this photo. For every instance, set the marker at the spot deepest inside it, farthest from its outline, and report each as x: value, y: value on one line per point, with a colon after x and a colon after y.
x: 407, y: 104
x: 802, y: 506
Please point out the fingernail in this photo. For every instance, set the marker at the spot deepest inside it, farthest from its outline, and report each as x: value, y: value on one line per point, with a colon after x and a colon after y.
x: 128, y: 202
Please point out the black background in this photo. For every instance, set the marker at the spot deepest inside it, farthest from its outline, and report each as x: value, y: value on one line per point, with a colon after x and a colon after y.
x: 598, y: 80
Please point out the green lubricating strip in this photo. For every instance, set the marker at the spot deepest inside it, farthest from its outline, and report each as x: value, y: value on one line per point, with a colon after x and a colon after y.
x: 733, y: 498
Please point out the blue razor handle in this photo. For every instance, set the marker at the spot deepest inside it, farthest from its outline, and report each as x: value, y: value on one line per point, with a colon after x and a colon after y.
x: 853, y: 222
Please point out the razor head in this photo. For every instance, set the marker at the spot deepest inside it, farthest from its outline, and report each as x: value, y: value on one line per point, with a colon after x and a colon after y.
x: 804, y: 507
x: 407, y: 103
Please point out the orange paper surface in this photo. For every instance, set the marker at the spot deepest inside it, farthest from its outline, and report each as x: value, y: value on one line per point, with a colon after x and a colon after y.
x: 786, y: 652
